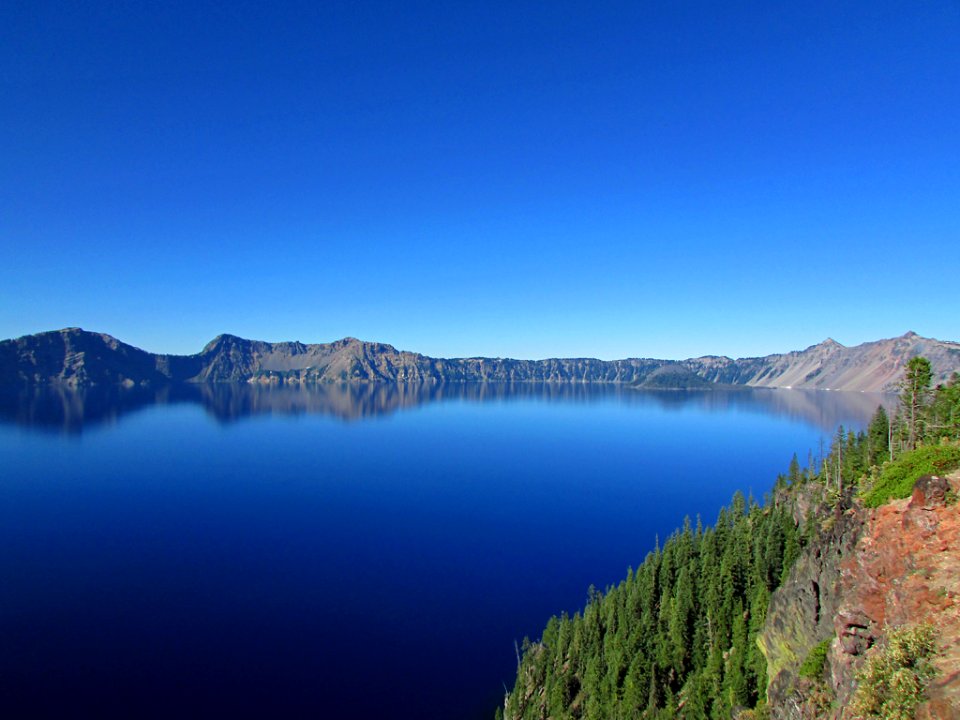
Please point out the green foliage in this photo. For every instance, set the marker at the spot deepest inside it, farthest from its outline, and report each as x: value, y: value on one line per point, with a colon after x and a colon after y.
x: 894, y: 680
x: 897, y: 478
x: 878, y: 438
x: 850, y: 456
x: 794, y: 475
x: 943, y: 419
x: 815, y: 661
x: 913, y: 397
x: 680, y: 632
x: 926, y: 416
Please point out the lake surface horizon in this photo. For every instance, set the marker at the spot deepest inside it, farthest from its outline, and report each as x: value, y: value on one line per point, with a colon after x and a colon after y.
x: 363, y: 550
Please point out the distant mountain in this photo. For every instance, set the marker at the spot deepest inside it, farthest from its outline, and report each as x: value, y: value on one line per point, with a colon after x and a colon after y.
x: 75, y: 357
x: 871, y: 367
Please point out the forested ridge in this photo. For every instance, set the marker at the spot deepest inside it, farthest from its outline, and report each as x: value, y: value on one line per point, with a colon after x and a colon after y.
x: 678, y: 637
x: 678, y: 634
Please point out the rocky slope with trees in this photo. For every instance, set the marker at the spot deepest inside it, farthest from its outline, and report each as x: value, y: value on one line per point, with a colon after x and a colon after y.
x: 820, y: 603
x: 74, y: 357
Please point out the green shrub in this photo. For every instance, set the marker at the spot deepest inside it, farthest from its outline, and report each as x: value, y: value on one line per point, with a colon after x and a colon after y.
x: 898, y: 477
x: 816, y: 660
x: 894, y: 680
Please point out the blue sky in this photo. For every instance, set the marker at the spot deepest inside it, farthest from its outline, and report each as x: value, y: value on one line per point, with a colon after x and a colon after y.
x: 607, y: 179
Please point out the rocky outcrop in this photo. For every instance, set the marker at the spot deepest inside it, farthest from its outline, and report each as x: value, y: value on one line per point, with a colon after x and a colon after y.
x: 875, y: 569
x: 802, y: 610
x: 74, y: 357
x: 905, y: 570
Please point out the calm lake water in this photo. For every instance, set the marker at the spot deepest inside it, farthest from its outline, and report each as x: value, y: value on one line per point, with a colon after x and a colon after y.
x: 344, y: 552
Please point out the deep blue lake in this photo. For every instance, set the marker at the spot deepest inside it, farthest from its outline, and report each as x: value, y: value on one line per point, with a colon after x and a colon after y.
x: 345, y: 551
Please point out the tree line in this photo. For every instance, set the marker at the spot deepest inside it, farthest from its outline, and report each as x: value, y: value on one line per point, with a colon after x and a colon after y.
x: 679, y: 632
x: 921, y: 437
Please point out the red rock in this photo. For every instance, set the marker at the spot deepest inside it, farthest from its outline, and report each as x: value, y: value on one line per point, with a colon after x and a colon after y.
x: 930, y: 491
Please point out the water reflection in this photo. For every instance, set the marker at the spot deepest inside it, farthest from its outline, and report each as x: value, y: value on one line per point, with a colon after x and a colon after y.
x: 71, y: 411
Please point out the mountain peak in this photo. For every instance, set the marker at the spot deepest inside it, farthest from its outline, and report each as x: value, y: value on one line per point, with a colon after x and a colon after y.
x: 221, y: 340
x: 78, y: 334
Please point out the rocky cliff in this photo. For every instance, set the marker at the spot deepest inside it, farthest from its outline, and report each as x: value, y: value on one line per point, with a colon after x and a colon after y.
x: 802, y: 610
x: 868, y: 571
x: 74, y: 357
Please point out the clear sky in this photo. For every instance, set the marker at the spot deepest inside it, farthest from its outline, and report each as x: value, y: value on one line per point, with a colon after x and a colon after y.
x: 607, y: 179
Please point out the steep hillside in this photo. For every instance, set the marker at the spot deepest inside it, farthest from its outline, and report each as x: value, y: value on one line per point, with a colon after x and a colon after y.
x: 872, y: 570
x: 75, y: 357
x: 352, y: 360
x: 787, y: 609
x: 871, y: 367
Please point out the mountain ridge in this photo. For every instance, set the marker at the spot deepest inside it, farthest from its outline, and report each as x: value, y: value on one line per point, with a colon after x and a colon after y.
x: 76, y: 357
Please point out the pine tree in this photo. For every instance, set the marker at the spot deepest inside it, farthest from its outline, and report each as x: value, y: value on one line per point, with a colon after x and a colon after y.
x: 913, y: 397
x: 945, y: 410
x: 793, y: 474
x: 878, y: 447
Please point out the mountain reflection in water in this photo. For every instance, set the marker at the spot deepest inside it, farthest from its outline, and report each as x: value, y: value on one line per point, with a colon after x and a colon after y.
x: 66, y: 410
